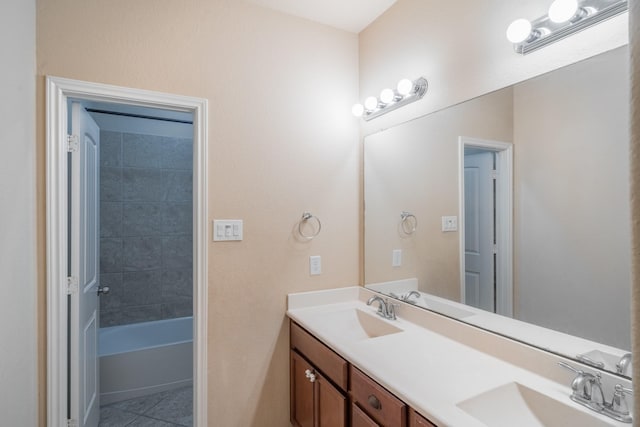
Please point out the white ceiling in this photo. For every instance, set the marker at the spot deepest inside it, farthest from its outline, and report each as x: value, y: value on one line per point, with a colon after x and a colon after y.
x: 349, y: 15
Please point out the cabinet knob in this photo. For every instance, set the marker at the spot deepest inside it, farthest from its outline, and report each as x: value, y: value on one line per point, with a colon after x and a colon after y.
x: 374, y: 402
x: 310, y: 375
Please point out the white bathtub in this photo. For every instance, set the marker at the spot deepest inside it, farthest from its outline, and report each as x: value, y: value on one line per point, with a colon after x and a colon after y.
x: 145, y: 358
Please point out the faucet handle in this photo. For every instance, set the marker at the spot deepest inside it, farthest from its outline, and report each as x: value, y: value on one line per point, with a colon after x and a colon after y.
x: 391, y: 310
x: 619, y: 405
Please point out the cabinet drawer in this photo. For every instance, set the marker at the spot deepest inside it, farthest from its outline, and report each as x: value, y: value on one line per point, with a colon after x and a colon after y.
x: 382, y: 406
x: 326, y: 360
x: 360, y: 419
x: 417, y: 420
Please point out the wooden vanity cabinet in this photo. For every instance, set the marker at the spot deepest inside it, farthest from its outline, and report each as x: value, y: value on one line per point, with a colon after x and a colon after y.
x: 318, y: 383
x: 322, y: 384
x: 375, y: 401
x: 417, y: 420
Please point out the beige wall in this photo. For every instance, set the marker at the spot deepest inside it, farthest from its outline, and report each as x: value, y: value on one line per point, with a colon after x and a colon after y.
x: 572, y: 215
x: 461, y: 48
x: 281, y: 141
x: 18, y: 369
x: 401, y: 166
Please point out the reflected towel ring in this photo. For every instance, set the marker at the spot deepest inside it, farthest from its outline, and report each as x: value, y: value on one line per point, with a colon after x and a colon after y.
x: 409, y: 222
x: 306, y: 216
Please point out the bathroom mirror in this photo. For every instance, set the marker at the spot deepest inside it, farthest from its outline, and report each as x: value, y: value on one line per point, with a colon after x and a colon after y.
x: 554, y: 270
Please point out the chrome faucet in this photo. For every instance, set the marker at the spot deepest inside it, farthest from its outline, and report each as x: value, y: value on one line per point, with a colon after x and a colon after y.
x: 623, y: 365
x: 386, y: 308
x: 407, y: 297
x: 587, y: 391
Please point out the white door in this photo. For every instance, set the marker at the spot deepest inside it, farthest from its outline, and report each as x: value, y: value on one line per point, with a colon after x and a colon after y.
x: 84, y: 264
x: 479, y: 230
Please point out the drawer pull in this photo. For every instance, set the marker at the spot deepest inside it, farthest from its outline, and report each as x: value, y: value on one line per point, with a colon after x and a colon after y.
x: 310, y: 375
x: 374, y: 402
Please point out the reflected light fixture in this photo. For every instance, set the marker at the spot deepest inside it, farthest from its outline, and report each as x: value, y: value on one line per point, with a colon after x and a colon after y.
x: 564, y: 18
x: 406, y: 92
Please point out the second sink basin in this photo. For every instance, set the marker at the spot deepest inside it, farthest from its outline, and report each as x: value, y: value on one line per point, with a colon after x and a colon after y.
x: 515, y: 404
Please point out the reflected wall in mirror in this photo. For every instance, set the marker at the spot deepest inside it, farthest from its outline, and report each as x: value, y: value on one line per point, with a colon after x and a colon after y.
x: 571, y: 224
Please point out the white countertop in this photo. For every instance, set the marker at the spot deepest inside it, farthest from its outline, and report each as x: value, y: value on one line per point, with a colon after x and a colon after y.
x: 429, y: 371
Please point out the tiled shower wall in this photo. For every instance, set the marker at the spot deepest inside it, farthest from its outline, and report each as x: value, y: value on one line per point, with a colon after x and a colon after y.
x: 145, y: 227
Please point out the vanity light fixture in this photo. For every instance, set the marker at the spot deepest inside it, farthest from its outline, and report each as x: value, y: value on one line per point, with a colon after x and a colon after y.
x: 564, y: 18
x: 406, y: 92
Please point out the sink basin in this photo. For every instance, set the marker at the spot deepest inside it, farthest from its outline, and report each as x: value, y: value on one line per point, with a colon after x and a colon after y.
x: 514, y: 404
x: 354, y: 324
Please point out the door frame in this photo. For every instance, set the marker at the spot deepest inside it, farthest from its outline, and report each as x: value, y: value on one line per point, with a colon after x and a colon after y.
x: 504, y: 219
x: 58, y: 91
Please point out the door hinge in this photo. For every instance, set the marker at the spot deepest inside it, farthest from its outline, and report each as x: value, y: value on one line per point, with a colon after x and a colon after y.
x: 72, y: 285
x: 72, y: 423
x: 495, y: 249
x: 494, y: 174
x: 73, y: 143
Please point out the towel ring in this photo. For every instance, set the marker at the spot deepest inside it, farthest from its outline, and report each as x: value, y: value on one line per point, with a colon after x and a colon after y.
x: 408, y: 222
x: 306, y: 216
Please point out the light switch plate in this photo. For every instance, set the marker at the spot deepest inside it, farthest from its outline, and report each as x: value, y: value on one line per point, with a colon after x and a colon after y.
x: 396, y: 260
x: 227, y: 230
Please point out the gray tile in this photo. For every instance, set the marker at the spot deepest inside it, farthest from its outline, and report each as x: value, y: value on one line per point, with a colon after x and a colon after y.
x: 179, y: 186
x: 110, y: 255
x: 142, y: 151
x: 177, y: 407
x: 142, y: 253
x: 142, y: 219
x: 110, y: 149
x: 110, y: 219
x: 177, y: 307
x: 144, y: 185
x: 143, y: 287
x: 177, y: 283
x: 177, y: 218
x: 132, y: 314
x: 177, y: 153
x: 143, y: 421
x: 111, y: 184
x: 114, y: 417
x: 115, y: 298
x: 139, y: 405
x: 177, y: 253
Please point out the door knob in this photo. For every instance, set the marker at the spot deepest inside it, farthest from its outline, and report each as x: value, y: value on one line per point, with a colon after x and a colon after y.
x: 103, y: 290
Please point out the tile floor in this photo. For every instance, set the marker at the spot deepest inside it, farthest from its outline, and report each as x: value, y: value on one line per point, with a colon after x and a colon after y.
x: 172, y: 408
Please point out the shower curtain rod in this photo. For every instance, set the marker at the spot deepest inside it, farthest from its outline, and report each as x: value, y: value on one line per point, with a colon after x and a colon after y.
x: 139, y: 116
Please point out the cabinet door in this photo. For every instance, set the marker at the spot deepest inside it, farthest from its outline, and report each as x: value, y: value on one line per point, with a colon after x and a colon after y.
x: 302, y: 400
x: 417, y: 420
x: 331, y: 405
x: 360, y: 419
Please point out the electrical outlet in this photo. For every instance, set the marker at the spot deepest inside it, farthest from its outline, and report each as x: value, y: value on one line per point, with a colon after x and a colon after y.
x: 315, y: 265
x: 396, y: 258
x: 449, y: 223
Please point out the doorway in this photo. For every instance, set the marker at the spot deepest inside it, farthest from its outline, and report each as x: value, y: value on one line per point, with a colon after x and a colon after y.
x: 73, y: 284
x: 485, y: 199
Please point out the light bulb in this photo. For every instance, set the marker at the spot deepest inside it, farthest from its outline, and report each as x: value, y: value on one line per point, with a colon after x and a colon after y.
x: 357, y: 110
x: 371, y: 103
x: 405, y: 86
x: 563, y: 10
x: 519, y: 30
x: 387, y: 96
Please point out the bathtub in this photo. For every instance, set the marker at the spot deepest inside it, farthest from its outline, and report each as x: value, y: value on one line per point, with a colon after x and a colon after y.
x: 145, y: 358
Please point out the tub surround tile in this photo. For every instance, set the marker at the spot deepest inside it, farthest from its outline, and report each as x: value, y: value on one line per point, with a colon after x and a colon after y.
x: 110, y: 219
x: 178, y: 154
x: 111, y: 184
x: 141, y: 287
x: 146, y: 225
x: 142, y: 151
x: 142, y: 219
x: 142, y: 253
x: 177, y: 253
x: 110, y: 149
x: 110, y: 255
